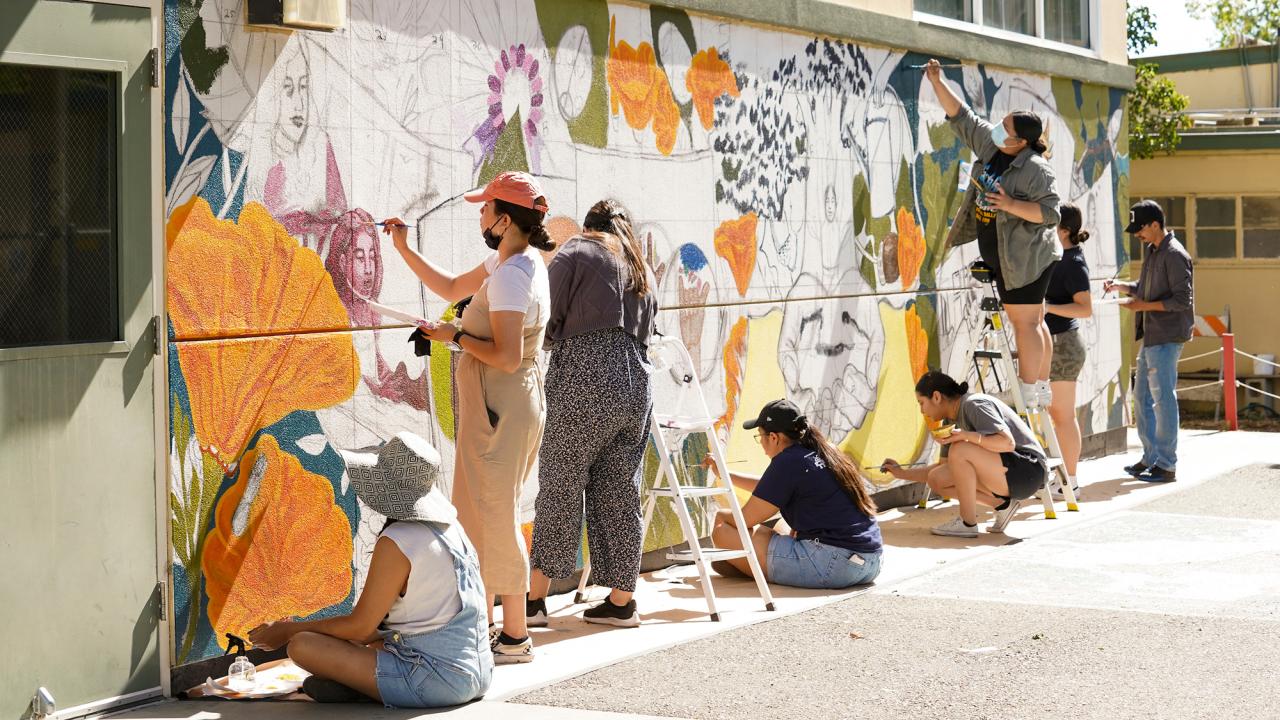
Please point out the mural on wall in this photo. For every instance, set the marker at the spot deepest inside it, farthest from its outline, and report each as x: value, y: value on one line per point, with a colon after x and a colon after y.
x: 792, y: 194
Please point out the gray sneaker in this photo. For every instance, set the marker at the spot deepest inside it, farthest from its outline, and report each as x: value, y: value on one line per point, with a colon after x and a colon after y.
x: 535, y: 612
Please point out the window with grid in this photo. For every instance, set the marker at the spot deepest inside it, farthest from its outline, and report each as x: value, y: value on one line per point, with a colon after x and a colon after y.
x: 58, y: 228
x: 1215, y: 236
x: 1065, y: 21
x: 1261, y: 216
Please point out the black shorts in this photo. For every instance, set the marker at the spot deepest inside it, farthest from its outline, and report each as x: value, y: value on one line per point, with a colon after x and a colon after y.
x: 1030, y: 294
x: 1024, y: 472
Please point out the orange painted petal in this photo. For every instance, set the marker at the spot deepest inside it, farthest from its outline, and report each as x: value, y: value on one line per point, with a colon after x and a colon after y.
x: 910, y: 248
x: 735, y: 352
x: 736, y: 243
x: 917, y: 344
x: 708, y: 78
x: 284, y: 550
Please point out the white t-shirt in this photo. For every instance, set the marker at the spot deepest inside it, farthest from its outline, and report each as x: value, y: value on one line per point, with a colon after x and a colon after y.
x: 431, y: 597
x: 520, y: 285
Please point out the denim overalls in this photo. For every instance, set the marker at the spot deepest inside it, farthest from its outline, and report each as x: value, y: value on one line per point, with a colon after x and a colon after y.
x: 450, y: 665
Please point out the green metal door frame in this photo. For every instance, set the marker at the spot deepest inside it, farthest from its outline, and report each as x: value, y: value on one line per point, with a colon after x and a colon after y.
x: 137, y: 329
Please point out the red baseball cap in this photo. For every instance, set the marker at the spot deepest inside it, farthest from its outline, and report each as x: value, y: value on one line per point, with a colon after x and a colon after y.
x: 517, y: 188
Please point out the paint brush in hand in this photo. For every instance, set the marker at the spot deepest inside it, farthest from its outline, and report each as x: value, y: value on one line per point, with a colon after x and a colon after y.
x: 382, y: 224
x: 941, y: 65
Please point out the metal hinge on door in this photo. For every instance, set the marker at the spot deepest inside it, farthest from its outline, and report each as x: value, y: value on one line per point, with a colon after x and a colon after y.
x: 157, y: 335
x: 153, y: 63
x: 162, y: 593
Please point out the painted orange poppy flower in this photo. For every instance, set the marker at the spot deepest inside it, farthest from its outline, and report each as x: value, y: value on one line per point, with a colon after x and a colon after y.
x: 708, y: 78
x: 251, y: 277
x: 910, y: 248
x: 917, y: 344
x: 735, y: 352
x: 279, y: 546
x: 640, y: 89
x: 736, y: 243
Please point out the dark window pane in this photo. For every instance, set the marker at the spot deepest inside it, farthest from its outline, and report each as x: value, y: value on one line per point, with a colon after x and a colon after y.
x: 1013, y: 15
x: 1215, y: 212
x: 1175, y: 210
x: 1067, y: 21
x: 58, y: 234
x: 1261, y: 212
x: 1215, y: 243
x: 954, y: 9
x: 1262, y: 243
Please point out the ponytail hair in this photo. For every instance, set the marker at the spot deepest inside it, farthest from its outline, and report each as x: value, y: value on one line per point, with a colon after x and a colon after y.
x: 935, y: 381
x: 530, y: 222
x: 1071, y: 221
x: 609, y: 224
x: 1028, y: 126
x: 846, y: 472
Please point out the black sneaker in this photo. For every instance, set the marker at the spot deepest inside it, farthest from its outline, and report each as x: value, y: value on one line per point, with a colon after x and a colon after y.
x: 606, y: 613
x: 1157, y: 474
x: 1136, y: 469
x: 535, y: 612
x: 325, y: 690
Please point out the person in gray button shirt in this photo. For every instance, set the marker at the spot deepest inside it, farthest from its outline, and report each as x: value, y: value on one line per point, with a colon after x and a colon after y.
x: 1163, y: 303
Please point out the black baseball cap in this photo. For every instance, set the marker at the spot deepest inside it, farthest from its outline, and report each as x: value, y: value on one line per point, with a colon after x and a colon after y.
x: 1144, y: 213
x: 777, y: 416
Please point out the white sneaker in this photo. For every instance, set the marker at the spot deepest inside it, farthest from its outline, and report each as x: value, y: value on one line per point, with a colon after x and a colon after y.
x: 1058, y: 494
x: 955, y: 528
x: 1044, y: 393
x: 1003, y: 517
x: 1030, y: 395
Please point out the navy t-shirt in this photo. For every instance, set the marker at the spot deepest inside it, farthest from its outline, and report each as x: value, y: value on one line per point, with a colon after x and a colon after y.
x: 814, y: 503
x: 1069, y: 277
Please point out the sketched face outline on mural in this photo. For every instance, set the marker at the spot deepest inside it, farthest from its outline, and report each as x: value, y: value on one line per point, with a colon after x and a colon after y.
x: 293, y: 104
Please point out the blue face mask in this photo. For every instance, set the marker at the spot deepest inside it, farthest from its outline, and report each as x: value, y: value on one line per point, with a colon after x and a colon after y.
x: 999, y: 135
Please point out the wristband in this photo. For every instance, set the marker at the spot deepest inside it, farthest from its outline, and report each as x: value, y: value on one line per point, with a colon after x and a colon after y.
x: 457, y: 337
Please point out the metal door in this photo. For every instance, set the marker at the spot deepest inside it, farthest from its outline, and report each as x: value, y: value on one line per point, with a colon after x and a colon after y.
x: 80, y: 604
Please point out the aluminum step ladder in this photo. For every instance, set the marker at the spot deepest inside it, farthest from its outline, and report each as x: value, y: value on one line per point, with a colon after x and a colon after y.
x: 675, y: 418
x: 993, y: 347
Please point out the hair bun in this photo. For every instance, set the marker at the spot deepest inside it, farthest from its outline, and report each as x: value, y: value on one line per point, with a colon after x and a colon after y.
x: 964, y: 387
x: 1081, y: 236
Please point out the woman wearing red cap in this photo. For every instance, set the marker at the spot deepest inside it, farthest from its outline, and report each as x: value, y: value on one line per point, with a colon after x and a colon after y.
x: 501, y: 406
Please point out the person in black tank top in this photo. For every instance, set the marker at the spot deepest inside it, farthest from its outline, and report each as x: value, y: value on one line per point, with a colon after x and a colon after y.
x: 1067, y: 302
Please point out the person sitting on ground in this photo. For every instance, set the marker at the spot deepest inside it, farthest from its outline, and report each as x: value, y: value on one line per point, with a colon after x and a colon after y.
x: 417, y: 637
x: 990, y: 456
x: 834, y: 541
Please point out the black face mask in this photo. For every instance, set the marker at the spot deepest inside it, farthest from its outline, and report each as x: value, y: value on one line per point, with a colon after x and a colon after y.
x: 491, y: 240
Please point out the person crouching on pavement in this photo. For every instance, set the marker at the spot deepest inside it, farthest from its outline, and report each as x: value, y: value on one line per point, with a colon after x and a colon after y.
x: 417, y: 637
x: 990, y: 457
x: 834, y: 540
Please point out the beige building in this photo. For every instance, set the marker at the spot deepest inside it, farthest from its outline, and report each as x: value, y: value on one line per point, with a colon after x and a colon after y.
x: 1221, y: 191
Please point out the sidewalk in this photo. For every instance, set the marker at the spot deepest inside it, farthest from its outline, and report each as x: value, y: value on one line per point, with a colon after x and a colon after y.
x: 917, y: 563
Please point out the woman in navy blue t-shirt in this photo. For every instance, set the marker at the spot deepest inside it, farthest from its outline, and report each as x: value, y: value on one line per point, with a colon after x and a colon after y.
x: 834, y: 541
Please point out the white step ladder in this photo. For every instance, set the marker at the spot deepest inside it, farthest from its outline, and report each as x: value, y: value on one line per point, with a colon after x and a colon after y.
x: 993, y: 346
x: 685, y: 414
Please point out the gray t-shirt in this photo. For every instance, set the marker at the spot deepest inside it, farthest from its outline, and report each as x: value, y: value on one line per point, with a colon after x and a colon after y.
x: 987, y: 415
x: 589, y: 292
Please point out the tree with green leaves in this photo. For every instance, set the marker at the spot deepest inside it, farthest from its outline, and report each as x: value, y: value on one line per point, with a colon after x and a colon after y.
x: 1155, y: 105
x: 1239, y: 21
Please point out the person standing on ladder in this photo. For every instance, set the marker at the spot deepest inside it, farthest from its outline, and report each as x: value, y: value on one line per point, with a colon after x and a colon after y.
x: 1163, y: 303
x: 1011, y: 209
x: 1067, y: 302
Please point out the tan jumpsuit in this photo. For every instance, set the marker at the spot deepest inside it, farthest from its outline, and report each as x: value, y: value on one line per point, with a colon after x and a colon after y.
x: 494, y: 460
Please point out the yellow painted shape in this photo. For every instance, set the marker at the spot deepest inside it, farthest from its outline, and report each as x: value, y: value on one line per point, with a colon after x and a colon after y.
x: 894, y: 428
x: 765, y: 384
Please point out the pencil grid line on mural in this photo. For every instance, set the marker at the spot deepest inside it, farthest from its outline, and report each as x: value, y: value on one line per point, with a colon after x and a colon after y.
x: 792, y: 195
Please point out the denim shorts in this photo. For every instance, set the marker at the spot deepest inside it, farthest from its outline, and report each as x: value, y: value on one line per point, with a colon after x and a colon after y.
x: 410, y: 678
x: 811, y: 564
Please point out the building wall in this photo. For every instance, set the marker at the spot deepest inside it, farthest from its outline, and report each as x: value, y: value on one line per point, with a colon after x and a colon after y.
x: 1251, y: 287
x: 793, y: 193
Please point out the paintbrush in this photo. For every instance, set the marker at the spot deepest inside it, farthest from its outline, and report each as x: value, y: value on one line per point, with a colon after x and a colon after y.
x: 881, y: 468
x: 394, y: 225
x: 941, y: 65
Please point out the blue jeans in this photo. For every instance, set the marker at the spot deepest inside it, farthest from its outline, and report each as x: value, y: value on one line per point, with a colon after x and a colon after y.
x: 811, y: 564
x: 1156, y: 405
